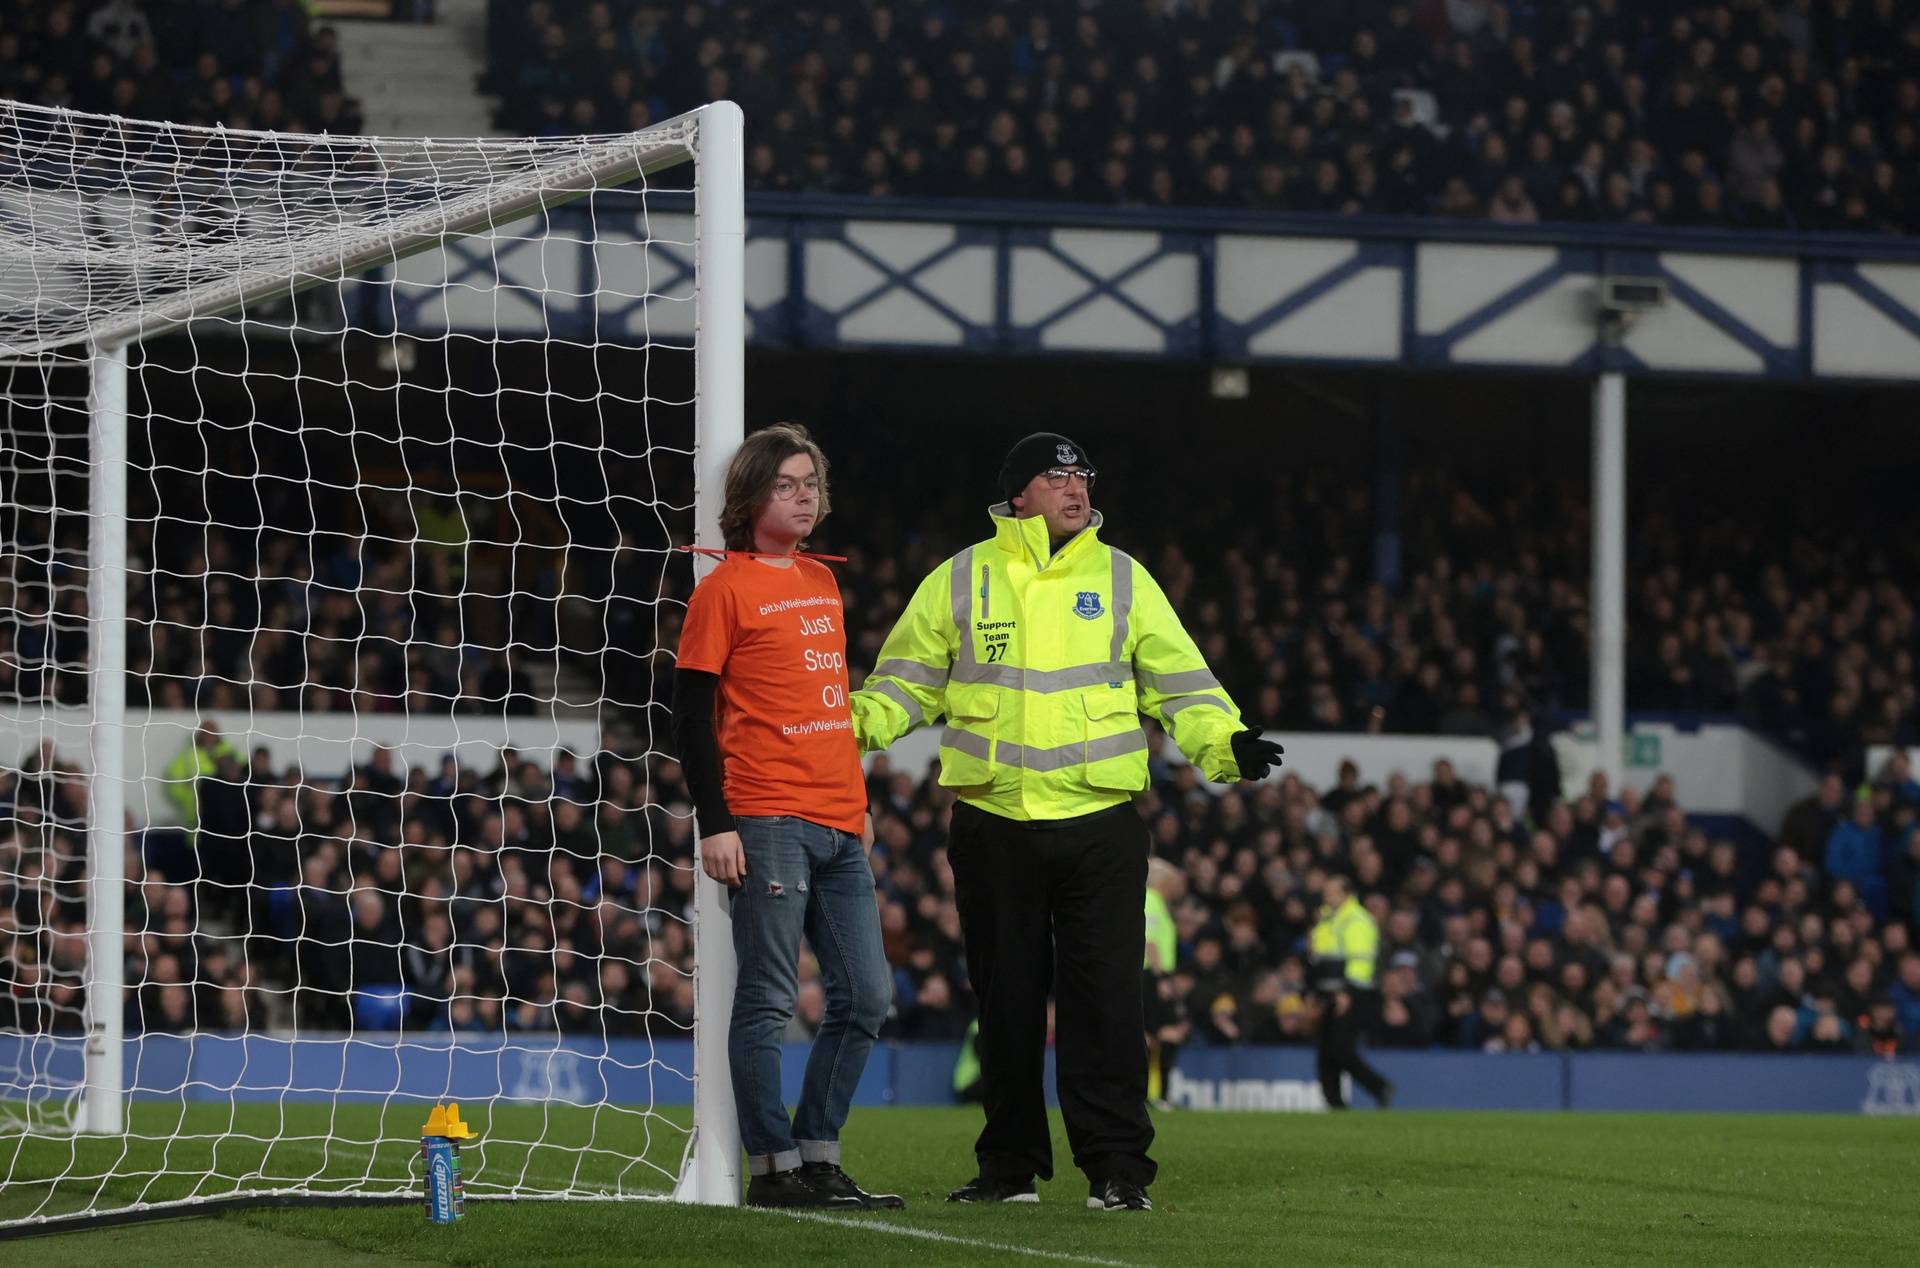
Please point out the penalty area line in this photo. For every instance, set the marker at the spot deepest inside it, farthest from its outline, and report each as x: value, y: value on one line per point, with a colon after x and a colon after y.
x: 929, y: 1235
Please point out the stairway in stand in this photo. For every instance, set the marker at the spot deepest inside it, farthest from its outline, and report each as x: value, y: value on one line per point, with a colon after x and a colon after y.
x: 417, y: 78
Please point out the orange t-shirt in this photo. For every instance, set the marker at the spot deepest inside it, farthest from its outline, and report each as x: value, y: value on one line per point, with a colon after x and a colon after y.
x: 776, y: 638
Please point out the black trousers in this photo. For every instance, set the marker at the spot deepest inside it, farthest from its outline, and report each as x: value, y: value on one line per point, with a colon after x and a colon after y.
x: 1057, y: 906
x: 1340, y: 1049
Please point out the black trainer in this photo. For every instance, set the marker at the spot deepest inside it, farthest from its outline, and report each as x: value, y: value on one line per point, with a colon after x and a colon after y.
x: 828, y: 1178
x: 981, y: 1189
x: 1118, y: 1195
x: 791, y: 1188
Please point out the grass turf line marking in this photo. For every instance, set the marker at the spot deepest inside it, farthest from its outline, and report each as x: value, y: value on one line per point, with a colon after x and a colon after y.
x: 927, y: 1234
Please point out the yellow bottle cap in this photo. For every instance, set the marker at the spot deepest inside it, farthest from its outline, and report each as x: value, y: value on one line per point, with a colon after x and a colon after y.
x: 444, y: 1120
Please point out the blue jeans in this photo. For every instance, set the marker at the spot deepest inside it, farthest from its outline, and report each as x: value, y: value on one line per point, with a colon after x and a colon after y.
x: 802, y: 877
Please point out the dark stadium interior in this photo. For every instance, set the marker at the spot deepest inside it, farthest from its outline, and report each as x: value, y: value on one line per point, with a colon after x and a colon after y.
x: 1515, y: 403
x: 1353, y: 551
x: 1274, y: 569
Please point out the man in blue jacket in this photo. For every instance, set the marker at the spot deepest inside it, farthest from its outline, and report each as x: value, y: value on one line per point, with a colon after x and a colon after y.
x: 1853, y: 853
x: 1905, y: 994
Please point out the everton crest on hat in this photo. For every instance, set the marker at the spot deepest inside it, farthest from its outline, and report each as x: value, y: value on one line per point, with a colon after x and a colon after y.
x: 1039, y: 452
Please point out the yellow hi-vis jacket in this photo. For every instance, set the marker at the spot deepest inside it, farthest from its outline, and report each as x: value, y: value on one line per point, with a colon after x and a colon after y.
x: 1350, y: 934
x: 1041, y: 667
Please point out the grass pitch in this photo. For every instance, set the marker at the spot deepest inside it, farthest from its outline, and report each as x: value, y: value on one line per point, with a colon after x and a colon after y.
x: 1412, y: 1188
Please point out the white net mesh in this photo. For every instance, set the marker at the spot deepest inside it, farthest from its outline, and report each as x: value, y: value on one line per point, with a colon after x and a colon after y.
x: 43, y: 953
x: 400, y: 577
x: 117, y: 228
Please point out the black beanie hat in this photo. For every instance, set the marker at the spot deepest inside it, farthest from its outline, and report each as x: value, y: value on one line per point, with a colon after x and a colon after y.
x: 1042, y: 451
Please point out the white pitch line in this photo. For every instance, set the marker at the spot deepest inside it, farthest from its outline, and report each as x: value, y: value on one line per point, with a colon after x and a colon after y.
x: 929, y: 1235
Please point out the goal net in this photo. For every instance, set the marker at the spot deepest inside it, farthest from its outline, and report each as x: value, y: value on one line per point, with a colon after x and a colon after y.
x: 341, y: 481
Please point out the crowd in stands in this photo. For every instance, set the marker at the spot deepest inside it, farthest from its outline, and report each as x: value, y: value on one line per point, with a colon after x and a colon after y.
x: 229, y: 618
x: 531, y: 900
x: 539, y: 900
x: 286, y: 621
x: 528, y: 900
x: 1808, y: 633
x: 1604, y: 921
x: 1809, y: 636
x: 1774, y: 114
x: 536, y: 901
x: 239, y: 63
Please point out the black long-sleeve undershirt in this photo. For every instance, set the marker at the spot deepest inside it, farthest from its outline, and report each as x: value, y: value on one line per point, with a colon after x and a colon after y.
x: 693, y: 695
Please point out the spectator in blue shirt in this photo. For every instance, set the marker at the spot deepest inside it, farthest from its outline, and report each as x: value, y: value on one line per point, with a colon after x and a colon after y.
x: 1853, y: 853
x: 1897, y: 778
x: 1820, y: 1027
x: 1905, y: 994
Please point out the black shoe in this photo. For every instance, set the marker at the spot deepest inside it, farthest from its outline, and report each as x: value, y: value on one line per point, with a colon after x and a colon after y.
x: 791, y: 1188
x: 981, y: 1189
x: 828, y: 1178
x: 1118, y: 1195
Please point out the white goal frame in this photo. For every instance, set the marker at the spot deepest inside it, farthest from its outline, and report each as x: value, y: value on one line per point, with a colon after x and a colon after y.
x: 711, y: 137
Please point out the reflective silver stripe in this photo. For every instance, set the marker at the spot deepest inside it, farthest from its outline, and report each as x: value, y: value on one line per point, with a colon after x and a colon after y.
x: 1177, y: 703
x: 1044, y: 760
x: 898, y: 694
x: 1122, y: 601
x: 994, y: 675
x: 1075, y: 676
x: 911, y: 671
x: 960, y: 585
x: 1184, y: 683
x: 971, y: 743
x: 1134, y: 741
x: 1044, y: 681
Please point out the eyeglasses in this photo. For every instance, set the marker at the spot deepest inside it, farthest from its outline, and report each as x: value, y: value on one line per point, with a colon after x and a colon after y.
x: 1058, y: 477
x: 785, y: 487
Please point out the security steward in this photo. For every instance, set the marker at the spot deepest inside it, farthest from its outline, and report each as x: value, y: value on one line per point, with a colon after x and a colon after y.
x: 1166, y: 885
x: 1345, y: 944
x: 1041, y: 648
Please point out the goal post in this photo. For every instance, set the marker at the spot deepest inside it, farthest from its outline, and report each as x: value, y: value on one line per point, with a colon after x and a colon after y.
x: 101, y: 1102
x: 162, y: 261
x: 712, y: 1174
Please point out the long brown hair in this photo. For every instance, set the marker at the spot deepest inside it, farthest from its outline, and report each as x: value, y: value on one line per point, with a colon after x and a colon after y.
x: 750, y: 477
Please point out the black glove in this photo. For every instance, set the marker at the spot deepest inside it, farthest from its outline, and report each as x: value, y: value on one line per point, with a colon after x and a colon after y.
x: 1254, y: 755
